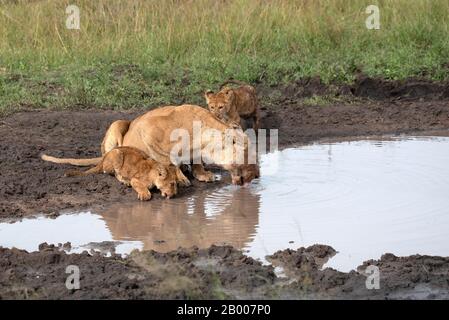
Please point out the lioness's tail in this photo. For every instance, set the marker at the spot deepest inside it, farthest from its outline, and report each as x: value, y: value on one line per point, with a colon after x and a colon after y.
x: 75, y: 162
x: 240, y: 83
x: 74, y: 173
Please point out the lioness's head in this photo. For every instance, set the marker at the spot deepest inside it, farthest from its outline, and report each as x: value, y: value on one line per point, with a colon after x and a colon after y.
x: 165, y: 180
x: 238, y: 158
x: 243, y: 173
x: 220, y: 103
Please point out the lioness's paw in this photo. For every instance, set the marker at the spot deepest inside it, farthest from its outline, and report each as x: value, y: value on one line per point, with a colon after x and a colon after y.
x: 144, y: 196
x: 206, y: 177
x: 184, y: 182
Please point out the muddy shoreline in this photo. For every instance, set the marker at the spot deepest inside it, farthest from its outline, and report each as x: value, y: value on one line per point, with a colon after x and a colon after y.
x: 29, y: 186
x: 218, y: 272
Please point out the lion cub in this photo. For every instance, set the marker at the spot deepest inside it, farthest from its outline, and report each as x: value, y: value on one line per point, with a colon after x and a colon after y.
x: 233, y: 104
x: 132, y: 167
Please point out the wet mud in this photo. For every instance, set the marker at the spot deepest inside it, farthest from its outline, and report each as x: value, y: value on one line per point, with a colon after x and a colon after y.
x: 218, y: 272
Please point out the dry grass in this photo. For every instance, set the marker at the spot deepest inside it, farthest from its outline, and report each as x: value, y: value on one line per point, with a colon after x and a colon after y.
x: 134, y: 52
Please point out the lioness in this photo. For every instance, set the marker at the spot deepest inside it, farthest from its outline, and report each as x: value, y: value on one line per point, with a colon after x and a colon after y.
x: 233, y: 104
x: 151, y: 133
x: 132, y: 167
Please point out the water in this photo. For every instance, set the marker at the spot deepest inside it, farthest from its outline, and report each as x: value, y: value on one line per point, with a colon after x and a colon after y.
x: 364, y: 198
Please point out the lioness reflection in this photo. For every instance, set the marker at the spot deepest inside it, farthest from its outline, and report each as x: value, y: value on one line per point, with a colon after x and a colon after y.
x: 222, y: 216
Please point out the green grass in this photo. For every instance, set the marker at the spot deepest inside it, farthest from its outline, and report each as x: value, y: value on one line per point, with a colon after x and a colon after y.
x: 146, y: 53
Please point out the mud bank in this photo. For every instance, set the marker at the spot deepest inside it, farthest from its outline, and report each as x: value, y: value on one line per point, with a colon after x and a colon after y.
x: 368, y: 107
x: 219, y: 272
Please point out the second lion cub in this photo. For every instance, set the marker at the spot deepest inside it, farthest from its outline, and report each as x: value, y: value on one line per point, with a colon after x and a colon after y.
x: 132, y: 167
x: 234, y: 104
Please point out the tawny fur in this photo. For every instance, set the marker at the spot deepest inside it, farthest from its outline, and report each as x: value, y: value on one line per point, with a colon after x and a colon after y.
x: 72, y: 161
x: 234, y: 104
x: 152, y: 133
x: 114, y: 135
x: 132, y: 167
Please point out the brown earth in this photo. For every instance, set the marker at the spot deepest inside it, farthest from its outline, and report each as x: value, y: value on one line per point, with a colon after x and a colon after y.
x: 29, y: 185
x: 218, y: 272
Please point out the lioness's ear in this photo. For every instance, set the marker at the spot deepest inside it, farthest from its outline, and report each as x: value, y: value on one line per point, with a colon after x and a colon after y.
x: 207, y: 94
x: 162, y: 172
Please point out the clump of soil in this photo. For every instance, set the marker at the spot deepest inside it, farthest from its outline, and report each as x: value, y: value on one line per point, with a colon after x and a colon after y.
x: 411, y: 89
x: 214, y: 273
x: 413, y: 277
x: 363, y: 87
x: 371, y: 106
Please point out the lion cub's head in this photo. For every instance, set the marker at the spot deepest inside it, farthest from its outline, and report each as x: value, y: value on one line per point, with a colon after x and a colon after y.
x: 221, y: 103
x: 164, y: 178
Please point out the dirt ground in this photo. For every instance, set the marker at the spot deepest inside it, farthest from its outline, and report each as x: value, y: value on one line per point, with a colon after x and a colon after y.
x: 218, y: 272
x: 29, y: 185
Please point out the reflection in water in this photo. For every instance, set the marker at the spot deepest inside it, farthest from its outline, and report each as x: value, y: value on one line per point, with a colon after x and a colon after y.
x: 363, y: 198
x: 225, y: 216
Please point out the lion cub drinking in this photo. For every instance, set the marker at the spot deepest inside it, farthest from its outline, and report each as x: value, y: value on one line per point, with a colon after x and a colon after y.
x: 132, y: 167
x: 233, y: 104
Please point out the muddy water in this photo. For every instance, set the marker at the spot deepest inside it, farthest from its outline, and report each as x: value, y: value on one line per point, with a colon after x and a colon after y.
x: 364, y: 198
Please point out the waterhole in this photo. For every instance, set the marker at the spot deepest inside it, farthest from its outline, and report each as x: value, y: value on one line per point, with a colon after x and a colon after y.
x: 364, y: 198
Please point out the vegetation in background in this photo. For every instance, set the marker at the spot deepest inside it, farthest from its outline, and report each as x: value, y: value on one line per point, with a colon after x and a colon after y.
x: 146, y: 53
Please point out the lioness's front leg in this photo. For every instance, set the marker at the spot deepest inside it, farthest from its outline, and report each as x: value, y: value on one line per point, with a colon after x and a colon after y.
x: 181, y: 178
x: 202, y: 174
x: 142, y: 190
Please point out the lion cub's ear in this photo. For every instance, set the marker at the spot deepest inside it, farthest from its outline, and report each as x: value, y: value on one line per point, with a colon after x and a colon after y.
x: 229, y: 93
x: 208, y: 94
